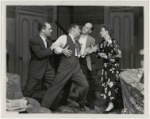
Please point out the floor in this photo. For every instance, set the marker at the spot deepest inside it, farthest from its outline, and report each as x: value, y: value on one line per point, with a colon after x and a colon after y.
x: 73, y: 107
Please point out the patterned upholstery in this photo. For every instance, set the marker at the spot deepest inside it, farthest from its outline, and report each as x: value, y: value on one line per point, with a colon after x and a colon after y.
x: 132, y: 91
x: 13, y: 85
x: 13, y: 91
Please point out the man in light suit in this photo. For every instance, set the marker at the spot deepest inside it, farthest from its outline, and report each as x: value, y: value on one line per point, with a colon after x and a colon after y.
x: 41, y: 70
x: 86, y: 41
x: 87, y: 65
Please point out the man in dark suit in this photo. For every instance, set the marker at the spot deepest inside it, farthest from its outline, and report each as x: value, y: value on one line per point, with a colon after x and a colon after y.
x: 69, y: 69
x: 41, y: 70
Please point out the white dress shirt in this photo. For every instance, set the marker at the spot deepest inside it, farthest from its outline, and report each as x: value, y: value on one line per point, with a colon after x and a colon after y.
x: 82, y: 41
x: 44, y: 40
x: 59, y: 44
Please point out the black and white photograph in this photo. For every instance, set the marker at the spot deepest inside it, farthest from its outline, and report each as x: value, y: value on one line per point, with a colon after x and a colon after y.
x: 76, y: 58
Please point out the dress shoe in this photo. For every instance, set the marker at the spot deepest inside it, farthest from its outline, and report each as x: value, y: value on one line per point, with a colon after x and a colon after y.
x: 91, y: 106
x: 64, y: 103
x: 54, y: 110
x: 25, y: 111
x: 82, y: 107
x: 106, y: 112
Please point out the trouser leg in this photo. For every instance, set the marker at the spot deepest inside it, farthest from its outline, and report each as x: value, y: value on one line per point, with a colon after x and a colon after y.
x: 30, y: 86
x: 81, y: 84
x: 49, y: 76
x: 89, y: 76
x: 66, y: 92
x: 63, y: 75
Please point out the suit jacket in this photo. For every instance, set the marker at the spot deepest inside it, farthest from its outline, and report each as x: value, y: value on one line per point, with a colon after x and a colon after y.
x: 90, y: 40
x: 40, y: 57
x: 89, y: 58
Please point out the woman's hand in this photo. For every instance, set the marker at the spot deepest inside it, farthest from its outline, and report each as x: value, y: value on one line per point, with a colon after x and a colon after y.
x: 112, y: 60
x: 103, y: 55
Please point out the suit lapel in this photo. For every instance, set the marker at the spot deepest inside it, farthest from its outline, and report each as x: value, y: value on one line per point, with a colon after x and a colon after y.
x: 88, y: 41
x: 41, y: 42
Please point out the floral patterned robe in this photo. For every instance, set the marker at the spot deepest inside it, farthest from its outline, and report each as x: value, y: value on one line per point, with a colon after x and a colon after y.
x: 110, y: 72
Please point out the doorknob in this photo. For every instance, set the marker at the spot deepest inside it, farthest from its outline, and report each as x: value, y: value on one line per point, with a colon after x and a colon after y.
x: 20, y: 58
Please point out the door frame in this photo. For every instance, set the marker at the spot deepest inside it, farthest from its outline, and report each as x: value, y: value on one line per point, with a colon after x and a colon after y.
x: 122, y: 43
x: 19, y: 12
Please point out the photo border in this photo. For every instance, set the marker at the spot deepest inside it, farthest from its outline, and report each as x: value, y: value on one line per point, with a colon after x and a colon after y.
x: 3, y: 34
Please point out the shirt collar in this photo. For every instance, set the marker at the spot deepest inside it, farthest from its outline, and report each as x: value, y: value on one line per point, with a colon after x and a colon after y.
x: 71, y: 36
x: 43, y: 38
x: 83, y: 36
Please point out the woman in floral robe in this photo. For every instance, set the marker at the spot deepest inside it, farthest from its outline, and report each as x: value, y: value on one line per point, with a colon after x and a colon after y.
x: 108, y: 49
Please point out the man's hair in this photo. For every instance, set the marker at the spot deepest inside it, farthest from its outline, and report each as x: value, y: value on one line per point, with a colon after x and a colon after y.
x: 107, y: 28
x: 92, y: 27
x: 72, y: 26
x: 42, y: 25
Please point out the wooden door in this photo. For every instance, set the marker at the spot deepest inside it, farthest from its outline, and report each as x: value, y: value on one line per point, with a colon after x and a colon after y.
x: 122, y: 24
x: 63, y: 18
x: 27, y: 27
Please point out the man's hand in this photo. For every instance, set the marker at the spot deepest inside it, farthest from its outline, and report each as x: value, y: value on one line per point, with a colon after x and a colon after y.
x: 53, y: 46
x: 60, y: 45
x: 57, y: 50
x: 86, y: 51
x: 94, y: 48
x: 67, y: 52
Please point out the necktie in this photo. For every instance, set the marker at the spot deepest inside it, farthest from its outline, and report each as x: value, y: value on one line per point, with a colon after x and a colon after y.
x: 47, y: 42
x: 77, y: 46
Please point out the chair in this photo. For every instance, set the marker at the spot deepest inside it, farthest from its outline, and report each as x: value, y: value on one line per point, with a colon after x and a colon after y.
x: 132, y: 91
x: 13, y: 92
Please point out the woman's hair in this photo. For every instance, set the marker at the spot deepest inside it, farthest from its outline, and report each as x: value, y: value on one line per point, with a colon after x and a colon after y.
x: 107, y: 28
